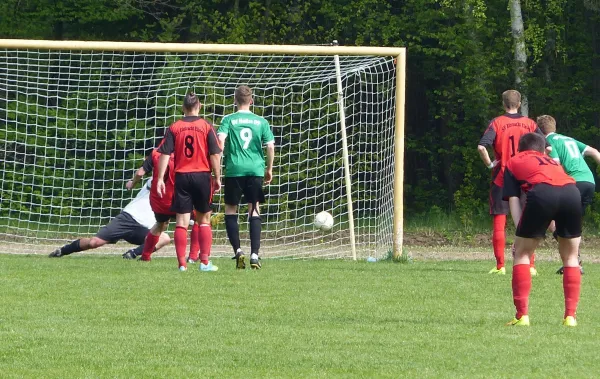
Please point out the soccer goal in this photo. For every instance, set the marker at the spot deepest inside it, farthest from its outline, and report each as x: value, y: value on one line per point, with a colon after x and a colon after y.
x: 77, y: 118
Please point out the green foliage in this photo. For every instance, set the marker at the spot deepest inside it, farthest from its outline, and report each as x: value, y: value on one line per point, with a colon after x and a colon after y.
x: 459, y: 62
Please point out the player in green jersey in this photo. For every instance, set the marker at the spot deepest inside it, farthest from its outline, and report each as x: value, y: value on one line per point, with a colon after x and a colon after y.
x: 243, y: 135
x: 570, y: 154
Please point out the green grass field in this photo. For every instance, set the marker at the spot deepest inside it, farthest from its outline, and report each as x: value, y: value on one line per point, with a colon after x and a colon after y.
x: 91, y: 316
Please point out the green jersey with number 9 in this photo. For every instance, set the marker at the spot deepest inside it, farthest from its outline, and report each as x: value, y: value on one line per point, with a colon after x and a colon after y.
x: 246, y: 133
x: 569, y: 152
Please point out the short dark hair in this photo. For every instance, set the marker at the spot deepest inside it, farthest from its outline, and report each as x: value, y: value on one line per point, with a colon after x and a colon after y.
x: 190, y: 101
x: 532, y: 141
x: 242, y: 95
x: 511, y: 99
x: 547, y: 124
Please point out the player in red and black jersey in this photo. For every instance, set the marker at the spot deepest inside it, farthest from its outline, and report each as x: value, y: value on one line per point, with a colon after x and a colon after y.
x: 503, y: 135
x: 551, y: 194
x: 161, y: 208
x: 196, y: 150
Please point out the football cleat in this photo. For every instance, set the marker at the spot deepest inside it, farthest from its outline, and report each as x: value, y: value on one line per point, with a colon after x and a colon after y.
x: 190, y: 260
x: 240, y: 260
x: 569, y: 321
x: 499, y: 271
x: 533, y: 271
x: 561, y: 270
x: 208, y: 268
x: 523, y: 321
x: 182, y: 268
x: 55, y: 254
x: 129, y: 254
x: 255, y: 262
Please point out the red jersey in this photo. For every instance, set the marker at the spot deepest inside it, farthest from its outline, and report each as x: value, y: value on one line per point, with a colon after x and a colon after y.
x: 528, y: 168
x: 503, y: 135
x: 158, y: 204
x: 191, y: 140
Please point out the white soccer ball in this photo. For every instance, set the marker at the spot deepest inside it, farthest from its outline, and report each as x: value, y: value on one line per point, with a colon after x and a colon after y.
x: 324, y: 220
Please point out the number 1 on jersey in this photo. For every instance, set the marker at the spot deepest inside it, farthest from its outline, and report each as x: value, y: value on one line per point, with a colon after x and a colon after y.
x: 246, y: 136
x: 512, y: 146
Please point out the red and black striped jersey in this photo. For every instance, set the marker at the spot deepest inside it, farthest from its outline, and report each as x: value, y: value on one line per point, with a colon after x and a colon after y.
x: 503, y: 134
x: 191, y: 140
x: 528, y: 168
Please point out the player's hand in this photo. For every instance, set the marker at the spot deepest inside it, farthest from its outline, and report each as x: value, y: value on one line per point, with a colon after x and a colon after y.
x: 129, y: 185
x: 268, y: 176
x: 493, y: 164
x: 160, y: 188
x: 217, y: 185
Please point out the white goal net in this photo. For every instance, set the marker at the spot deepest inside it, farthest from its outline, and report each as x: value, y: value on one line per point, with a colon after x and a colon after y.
x: 74, y: 125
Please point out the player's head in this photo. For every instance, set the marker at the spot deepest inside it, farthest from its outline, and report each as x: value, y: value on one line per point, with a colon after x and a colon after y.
x: 191, y: 104
x: 547, y: 124
x: 511, y: 100
x: 242, y: 96
x: 532, y: 141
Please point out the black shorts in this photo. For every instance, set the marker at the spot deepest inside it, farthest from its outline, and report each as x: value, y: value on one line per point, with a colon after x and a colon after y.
x: 193, y: 190
x: 546, y: 203
x: 249, y: 186
x: 587, y: 191
x: 162, y: 217
x: 123, y: 227
x: 497, y: 205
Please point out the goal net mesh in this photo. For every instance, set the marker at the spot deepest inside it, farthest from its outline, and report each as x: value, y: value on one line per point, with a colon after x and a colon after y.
x: 75, y: 125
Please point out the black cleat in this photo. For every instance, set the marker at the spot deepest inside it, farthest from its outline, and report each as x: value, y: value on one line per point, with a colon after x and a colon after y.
x: 55, y: 254
x: 240, y: 260
x: 190, y: 260
x: 129, y: 254
x: 255, y: 263
x: 561, y: 270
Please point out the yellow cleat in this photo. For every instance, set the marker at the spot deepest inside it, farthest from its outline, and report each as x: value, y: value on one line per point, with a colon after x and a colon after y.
x: 501, y: 271
x: 570, y: 321
x: 533, y: 271
x: 523, y: 321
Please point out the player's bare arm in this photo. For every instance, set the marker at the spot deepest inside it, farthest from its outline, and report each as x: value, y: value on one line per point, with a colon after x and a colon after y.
x: 591, y: 152
x: 137, y: 177
x: 163, y: 163
x: 485, y: 157
x: 215, y: 162
x: 270, y: 160
x: 514, y: 204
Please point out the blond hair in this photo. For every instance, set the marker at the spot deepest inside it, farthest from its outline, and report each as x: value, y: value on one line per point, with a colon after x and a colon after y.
x: 547, y: 124
x: 511, y: 99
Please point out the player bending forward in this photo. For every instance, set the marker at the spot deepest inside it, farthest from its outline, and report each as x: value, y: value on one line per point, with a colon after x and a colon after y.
x: 131, y: 225
x: 551, y: 195
x: 243, y: 135
x: 161, y: 208
x: 570, y: 154
x: 196, y: 152
x: 503, y: 135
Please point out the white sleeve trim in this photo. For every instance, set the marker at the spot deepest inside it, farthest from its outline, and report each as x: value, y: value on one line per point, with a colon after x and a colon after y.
x: 557, y: 160
x: 584, y: 150
x: 222, y: 133
x: 269, y: 142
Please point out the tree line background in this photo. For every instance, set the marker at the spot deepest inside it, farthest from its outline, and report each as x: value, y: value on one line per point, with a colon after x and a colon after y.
x: 461, y: 57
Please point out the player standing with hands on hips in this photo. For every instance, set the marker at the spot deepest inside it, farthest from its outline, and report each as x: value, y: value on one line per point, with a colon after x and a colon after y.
x: 243, y: 135
x: 195, y: 147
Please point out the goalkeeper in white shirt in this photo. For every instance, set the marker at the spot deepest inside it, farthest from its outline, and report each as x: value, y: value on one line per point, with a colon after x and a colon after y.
x: 132, y: 225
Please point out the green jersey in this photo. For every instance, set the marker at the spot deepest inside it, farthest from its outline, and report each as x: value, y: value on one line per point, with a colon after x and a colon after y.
x: 569, y: 152
x: 246, y: 134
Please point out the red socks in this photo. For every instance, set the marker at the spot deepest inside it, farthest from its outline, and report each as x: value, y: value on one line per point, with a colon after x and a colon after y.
x: 205, y: 241
x: 195, y: 242
x: 572, y: 288
x: 521, y: 285
x: 180, y: 244
x: 499, y: 239
x: 149, y: 245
